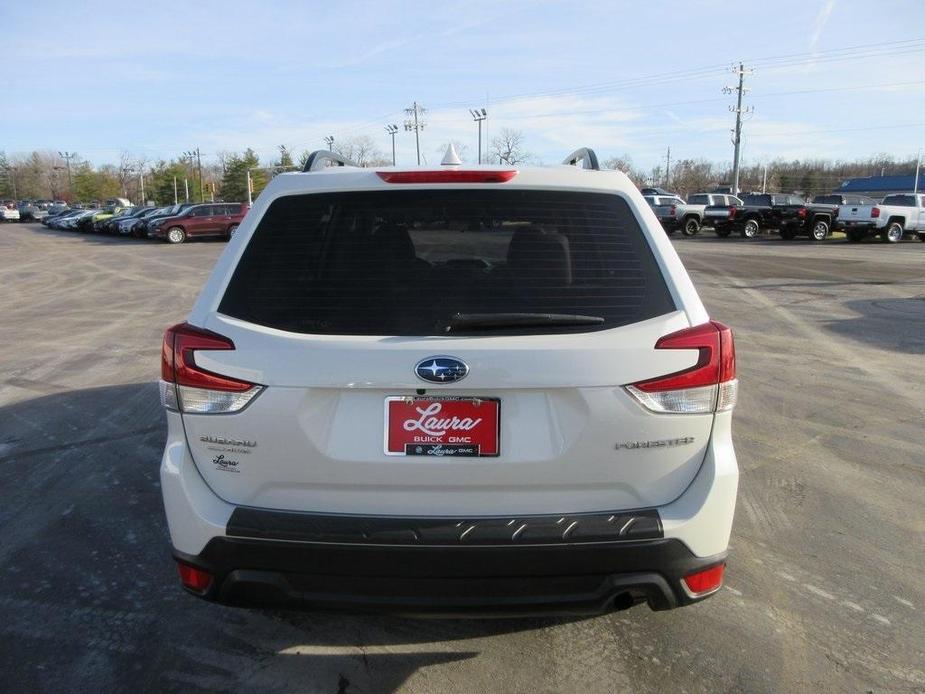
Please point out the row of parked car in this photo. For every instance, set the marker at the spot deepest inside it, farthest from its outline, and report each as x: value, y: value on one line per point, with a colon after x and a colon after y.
x: 791, y: 215
x: 173, y: 224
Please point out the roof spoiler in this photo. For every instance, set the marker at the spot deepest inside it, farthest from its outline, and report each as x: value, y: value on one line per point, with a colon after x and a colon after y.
x: 586, y: 156
x: 319, y: 159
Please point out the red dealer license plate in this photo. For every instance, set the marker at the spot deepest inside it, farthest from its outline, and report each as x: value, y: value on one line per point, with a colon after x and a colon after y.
x: 451, y: 427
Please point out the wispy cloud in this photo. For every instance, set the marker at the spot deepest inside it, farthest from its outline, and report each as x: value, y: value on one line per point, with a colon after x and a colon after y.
x: 819, y: 24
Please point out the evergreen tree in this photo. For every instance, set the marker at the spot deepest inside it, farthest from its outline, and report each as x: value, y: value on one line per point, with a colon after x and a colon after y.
x: 234, y: 182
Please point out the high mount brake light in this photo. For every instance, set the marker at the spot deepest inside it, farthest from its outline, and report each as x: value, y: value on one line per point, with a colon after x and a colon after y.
x: 185, y: 387
x: 447, y: 176
x: 710, y: 385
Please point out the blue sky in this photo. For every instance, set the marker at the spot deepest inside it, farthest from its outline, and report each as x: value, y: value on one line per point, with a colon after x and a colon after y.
x: 622, y: 77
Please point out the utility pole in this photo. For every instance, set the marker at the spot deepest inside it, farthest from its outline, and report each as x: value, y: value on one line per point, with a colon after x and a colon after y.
x: 668, y: 168
x: 415, y: 123
x: 176, y: 198
x: 67, y: 156
x: 478, y: 115
x: 764, y: 180
x: 391, y: 130
x: 250, y: 190
x: 186, y: 189
x: 918, y: 163
x: 141, y: 175
x: 737, y: 133
x: 195, y: 154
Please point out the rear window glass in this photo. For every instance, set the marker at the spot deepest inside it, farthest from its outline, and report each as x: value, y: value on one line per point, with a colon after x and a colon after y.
x: 757, y: 199
x: 899, y: 200
x: 407, y: 262
x: 699, y: 199
x: 827, y: 199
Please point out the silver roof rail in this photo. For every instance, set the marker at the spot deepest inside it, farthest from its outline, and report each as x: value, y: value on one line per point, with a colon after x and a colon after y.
x: 319, y: 159
x: 586, y: 156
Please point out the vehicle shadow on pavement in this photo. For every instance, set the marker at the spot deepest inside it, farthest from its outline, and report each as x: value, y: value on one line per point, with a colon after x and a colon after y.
x: 894, y: 324
x: 89, y: 597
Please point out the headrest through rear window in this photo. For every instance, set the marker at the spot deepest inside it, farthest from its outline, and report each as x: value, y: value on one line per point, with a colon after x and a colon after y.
x: 536, y: 252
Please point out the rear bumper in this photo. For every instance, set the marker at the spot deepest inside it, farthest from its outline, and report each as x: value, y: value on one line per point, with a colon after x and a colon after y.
x: 860, y: 226
x: 457, y: 581
x: 429, y: 565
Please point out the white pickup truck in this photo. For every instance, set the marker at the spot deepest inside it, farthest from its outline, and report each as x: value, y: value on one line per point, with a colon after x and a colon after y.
x: 674, y: 213
x: 897, y: 215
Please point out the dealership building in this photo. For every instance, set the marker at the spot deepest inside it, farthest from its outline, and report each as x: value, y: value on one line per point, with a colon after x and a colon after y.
x: 880, y: 186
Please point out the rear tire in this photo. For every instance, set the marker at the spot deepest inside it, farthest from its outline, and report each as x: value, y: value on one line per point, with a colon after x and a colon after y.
x: 751, y: 229
x: 893, y: 233
x: 691, y: 226
x: 819, y: 231
x: 176, y: 235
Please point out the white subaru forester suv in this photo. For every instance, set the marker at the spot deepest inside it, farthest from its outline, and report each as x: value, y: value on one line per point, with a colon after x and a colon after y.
x: 458, y: 390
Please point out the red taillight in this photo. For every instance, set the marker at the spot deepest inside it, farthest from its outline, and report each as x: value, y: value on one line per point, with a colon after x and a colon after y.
x: 716, y: 363
x: 193, y: 578
x: 674, y: 209
x: 704, y: 582
x: 447, y: 176
x: 708, y: 386
x: 178, y: 364
x: 875, y: 212
x: 802, y: 213
x: 732, y: 212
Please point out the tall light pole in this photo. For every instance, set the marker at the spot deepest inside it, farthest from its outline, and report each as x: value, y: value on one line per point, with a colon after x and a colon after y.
x: 737, y: 133
x: 329, y: 141
x: 141, y: 178
x: 67, y: 156
x: 391, y: 130
x: 415, y: 123
x: 478, y: 115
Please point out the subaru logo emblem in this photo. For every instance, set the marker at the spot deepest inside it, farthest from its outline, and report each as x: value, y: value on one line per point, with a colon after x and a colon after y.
x: 441, y: 369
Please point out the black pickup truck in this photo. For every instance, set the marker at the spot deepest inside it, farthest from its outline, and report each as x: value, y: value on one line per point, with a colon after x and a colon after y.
x: 789, y: 214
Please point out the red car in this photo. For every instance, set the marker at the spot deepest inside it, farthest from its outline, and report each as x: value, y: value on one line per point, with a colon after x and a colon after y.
x: 209, y: 219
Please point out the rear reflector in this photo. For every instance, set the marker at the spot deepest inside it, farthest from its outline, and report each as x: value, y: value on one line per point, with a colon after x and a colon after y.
x: 193, y: 578
x: 702, y: 583
x: 710, y: 385
x: 188, y: 388
x: 446, y: 176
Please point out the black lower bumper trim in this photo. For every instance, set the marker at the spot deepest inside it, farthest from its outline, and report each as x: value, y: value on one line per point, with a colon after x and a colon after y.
x: 461, y: 581
x: 643, y: 524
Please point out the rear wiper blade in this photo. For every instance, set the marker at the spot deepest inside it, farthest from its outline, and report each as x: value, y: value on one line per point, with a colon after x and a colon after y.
x: 498, y: 321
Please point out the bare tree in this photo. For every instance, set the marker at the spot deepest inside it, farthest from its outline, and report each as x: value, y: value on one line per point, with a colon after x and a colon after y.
x: 508, y: 147
x: 461, y: 149
x: 362, y: 150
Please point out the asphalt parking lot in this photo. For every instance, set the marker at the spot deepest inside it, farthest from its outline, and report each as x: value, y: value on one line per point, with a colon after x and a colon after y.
x: 825, y: 588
